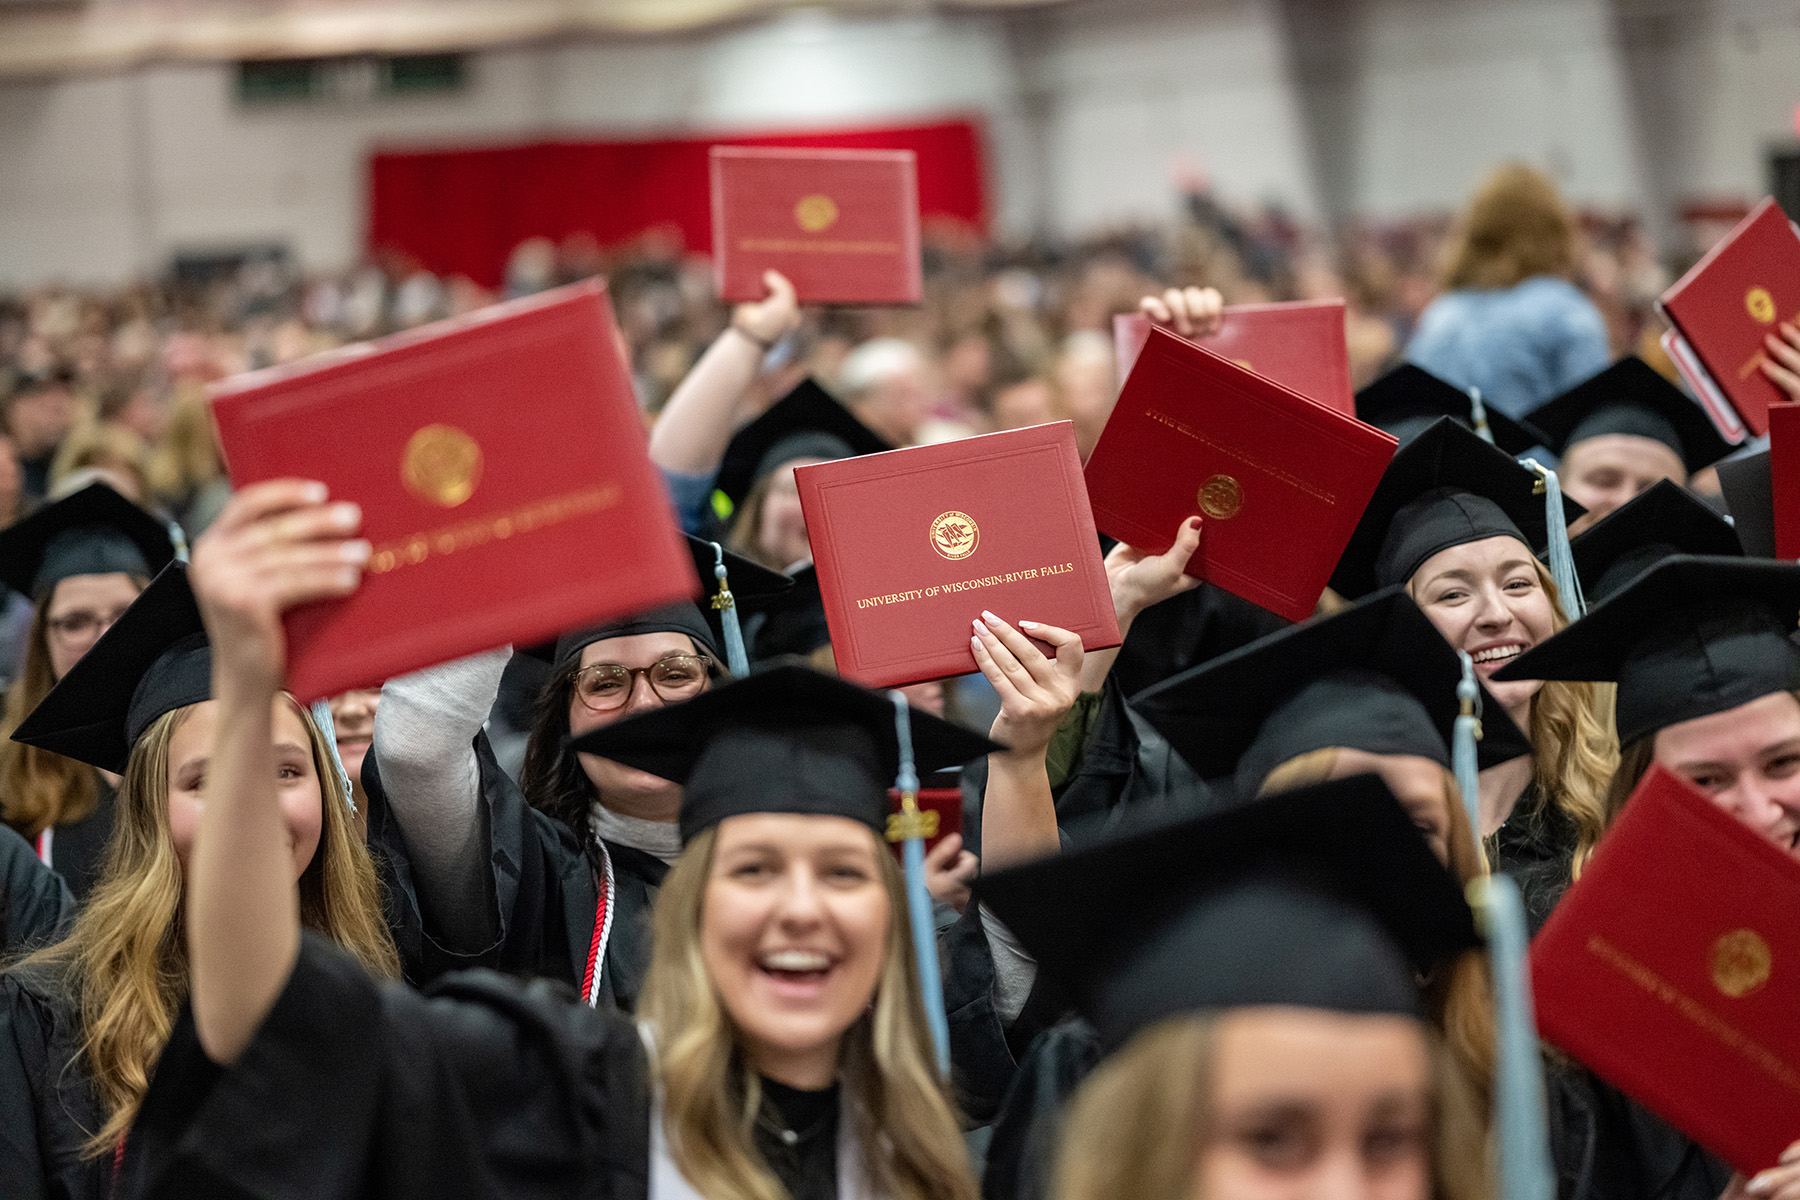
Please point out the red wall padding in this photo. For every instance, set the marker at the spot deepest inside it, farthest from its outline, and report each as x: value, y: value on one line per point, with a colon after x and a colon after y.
x: 461, y: 212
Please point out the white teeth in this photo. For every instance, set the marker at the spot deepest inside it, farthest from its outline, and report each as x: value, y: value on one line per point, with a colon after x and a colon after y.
x: 795, y: 960
x: 1498, y: 652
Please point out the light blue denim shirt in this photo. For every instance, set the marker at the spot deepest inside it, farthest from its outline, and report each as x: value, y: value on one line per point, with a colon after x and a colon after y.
x: 1520, y: 345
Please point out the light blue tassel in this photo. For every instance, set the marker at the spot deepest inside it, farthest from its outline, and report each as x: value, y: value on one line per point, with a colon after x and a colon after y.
x: 1561, y: 561
x: 1521, y: 1137
x: 907, y: 827
x: 321, y: 714
x: 1478, y: 416
x: 1467, y: 732
x: 178, y: 539
x: 736, y: 660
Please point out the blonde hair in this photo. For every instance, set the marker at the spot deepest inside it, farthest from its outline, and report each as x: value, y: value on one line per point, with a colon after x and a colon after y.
x: 1459, y: 994
x: 186, y: 458
x: 1515, y: 227
x: 1137, y: 1126
x: 903, y: 1119
x: 103, y: 446
x: 126, y: 957
x: 1634, y: 761
x: 40, y: 788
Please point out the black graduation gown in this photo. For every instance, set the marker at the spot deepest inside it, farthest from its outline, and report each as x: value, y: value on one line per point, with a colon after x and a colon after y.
x: 35, y: 903
x: 1187, y: 630
x: 351, y: 1088
x: 540, y: 885
x: 78, y: 848
x: 1607, y: 1146
x: 1536, y: 848
x: 47, y: 1104
x: 1022, y: 1155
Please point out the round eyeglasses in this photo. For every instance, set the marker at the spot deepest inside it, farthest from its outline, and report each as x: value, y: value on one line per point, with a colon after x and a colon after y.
x: 607, y: 687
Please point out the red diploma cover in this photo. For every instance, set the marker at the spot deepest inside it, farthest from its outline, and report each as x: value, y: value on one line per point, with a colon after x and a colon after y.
x: 1784, y: 477
x: 1299, y: 345
x: 942, y: 808
x: 500, y: 464
x: 1280, y: 480
x: 913, y: 544
x: 842, y: 225
x: 1732, y: 299
x: 1672, y: 969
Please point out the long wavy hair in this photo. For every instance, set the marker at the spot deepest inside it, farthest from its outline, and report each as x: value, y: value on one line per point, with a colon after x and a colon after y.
x: 904, y: 1120
x: 1515, y: 227
x: 1460, y: 994
x: 1574, y: 750
x: 125, y: 960
x: 40, y: 788
x: 1137, y: 1126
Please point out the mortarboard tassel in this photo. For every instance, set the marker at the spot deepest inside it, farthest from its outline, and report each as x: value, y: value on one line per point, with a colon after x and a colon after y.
x: 1562, y: 561
x: 1521, y: 1136
x: 321, y: 715
x: 1478, y: 416
x: 1465, y: 734
x: 908, y: 828
x: 736, y: 660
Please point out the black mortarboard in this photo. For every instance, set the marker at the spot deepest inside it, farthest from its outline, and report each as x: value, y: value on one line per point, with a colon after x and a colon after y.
x: 1377, y: 677
x: 785, y: 740
x: 1323, y: 897
x: 1444, y: 488
x: 1629, y: 397
x: 154, y: 660
x: 1750, y: 499
x: 805, y: 423
x: 1665, y: 519
x: 751, y: 584
x: 1690, y: 637
x: 1409, y: 399
x: 94, y: 531
x: 793, y: 623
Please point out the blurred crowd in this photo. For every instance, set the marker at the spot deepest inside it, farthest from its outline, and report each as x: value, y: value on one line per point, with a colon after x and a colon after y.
x: 112, y: 382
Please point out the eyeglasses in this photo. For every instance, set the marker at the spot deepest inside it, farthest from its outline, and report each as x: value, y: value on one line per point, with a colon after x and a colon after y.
x: 81, y: 625
x: 606, y: 687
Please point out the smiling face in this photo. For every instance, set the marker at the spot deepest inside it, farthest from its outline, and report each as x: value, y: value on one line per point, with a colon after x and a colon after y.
x: 794, y: 931
x: 296, y: 781
x: 1487, y: 599
x: 1601, y: 473
x: 1315, y: 1105
x: 1747, y: 759
x: 627, y: 790
x: 353, y: 720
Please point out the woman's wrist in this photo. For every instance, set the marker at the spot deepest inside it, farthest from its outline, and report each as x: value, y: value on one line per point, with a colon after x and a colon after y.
x: 763, y: 344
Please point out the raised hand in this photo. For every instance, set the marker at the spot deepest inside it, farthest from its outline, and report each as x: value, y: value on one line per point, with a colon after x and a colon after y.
x: 1036, y: 691
x: 1192, y: 312
x: 274, y: 546
x: 772, y: 318
x: 1782, y: 365
x: 1138, y: 580
x: 950, y: 871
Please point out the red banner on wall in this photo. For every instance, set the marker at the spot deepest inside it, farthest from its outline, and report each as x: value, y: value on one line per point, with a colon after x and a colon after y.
x: 462, y: 211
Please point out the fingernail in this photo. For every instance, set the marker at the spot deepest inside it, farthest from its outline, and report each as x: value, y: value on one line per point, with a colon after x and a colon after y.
x: 975, y: 642
x: 357, y: 550
x: 1027, y: 624
x: 1762, y: 1183
x: 989, y: 617
x: 1791, y: 1153
x: 979, y: 627
x: 346, y: 515
x: 314, y: 493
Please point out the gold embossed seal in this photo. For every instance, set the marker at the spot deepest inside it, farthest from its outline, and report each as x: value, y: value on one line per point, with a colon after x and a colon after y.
x: 1740, y: 962
x: 1221, y: 497
x: 442, y: 464
x: 816, y: 213
x: 1760, y: 304
x: 955, y: 535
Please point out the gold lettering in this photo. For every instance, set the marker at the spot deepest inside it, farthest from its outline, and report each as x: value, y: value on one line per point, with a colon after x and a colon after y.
x: 453, y: 539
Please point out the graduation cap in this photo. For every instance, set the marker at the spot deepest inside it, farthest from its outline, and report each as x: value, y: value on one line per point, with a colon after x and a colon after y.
x: 1377, y: 677
x: 1665, y: 519
x: 1690, y: 637
x: 1750, y: 499
x: 94, y: 531
x: 706, y: 621
x: 153, y: 660
x: 792, y: 623
x: 785, y: 740
x: 1322, y: 897
x: 805, y: 423
x: 1408, y: 399
x: 1444, y: 488
x: 1630, y: 398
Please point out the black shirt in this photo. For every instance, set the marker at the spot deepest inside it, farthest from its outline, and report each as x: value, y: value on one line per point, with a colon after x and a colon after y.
x: 796, y: 1133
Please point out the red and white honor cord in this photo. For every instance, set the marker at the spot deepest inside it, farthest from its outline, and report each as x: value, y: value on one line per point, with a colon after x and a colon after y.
x: 46, y: 841
x: 603, y: 916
